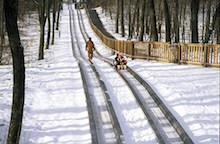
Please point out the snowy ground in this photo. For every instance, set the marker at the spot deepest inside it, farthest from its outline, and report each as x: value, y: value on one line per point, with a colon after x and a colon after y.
x: 55, y: 105
x: 190, y: 92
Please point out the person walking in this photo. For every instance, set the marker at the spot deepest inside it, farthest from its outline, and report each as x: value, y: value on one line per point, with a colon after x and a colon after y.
x: 90, y: 48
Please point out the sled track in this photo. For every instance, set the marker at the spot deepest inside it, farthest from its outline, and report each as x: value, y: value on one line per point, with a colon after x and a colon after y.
x: 154, y: 120
x: 96, y: 134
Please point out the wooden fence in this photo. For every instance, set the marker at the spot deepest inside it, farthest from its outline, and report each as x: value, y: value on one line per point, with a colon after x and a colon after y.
x: 199, y: 54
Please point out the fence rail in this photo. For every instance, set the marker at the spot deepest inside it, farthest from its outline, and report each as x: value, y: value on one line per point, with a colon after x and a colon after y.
x: 197, y: 54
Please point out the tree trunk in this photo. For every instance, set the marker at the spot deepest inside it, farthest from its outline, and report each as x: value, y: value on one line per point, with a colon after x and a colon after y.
x: 218, y: 31
x: 122, y: 19
x: 147, y: 29
x: 208, y: 19
x: 184, y: 18
x: 214, y: 18
x: 218, y: 26
x: 137, y: 21
x: 2, y: 29
x: 129, y: 20
x: 160, y: 20
x: 135, y: 14
x: 11, y: 11
x: 203, y: 18
x: 110, y: 13
x: 58, y: 15
x: 176, y: 21
x: 42, y: 18
x: 153, y: 21
x: 167, y: 21
x: 194, y: 20
x: 49, y: 24
x: 117, y: 17
x: 54, y: 21
x: 141, y: 37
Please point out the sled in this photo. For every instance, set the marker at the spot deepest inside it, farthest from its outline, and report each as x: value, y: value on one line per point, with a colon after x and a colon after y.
x: 121, y: 67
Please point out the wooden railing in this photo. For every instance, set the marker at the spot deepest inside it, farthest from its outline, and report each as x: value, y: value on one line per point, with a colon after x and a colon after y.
x: 199, y: 54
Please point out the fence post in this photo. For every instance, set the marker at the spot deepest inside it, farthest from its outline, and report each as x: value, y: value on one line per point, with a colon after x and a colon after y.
x: 149, y: 50
x: 132, y: 51
x: 169, y: 51
x: 179, y: 54
x: 205, y: 55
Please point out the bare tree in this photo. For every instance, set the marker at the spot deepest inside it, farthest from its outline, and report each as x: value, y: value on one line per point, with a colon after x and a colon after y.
x: 176, y: 21
x: 167, y: 21
x: 11, y: 12
x: 134, y: 16
x: 58, y: 14
x: 122, y: 19
x: 160, y: 20
x: 141, y: 37
x: 54, y: 21
x: 2, y: 29
x: 49, y: 23
x: 194, y: 20
x: 42, y: 19
x: 214, y: 18
x: 153, y: 21
x: 183, y: 22
x: 137, y: 21
x: 218, y: 24
x: 129, y: 20
x: 117, y: 16
x: 203, y: 19
x: 208, y: 18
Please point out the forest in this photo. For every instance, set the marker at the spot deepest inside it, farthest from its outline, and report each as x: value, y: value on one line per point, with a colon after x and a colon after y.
x: 35, y: 13
x: 15, y: 16
x: 174, y: 21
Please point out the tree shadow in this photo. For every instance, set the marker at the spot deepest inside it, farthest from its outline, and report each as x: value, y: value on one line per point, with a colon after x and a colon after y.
x: 190, y: 93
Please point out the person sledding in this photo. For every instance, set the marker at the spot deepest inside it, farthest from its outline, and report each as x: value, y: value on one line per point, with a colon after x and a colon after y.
x: 90, y: 48
x: 123, y: 59
x: 120, y: 61
x: 116, y: 61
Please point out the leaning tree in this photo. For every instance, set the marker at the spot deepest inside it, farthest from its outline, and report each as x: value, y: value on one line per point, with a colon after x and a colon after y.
x: 11, y: 11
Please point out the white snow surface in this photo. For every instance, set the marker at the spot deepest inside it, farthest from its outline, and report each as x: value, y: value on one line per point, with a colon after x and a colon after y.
x: 134, y: 124
x: 55, y: 106
x: 190, y: 92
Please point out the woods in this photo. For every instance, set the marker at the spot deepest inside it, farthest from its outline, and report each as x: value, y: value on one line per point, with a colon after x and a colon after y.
x: 185, y: 21
x: 44, y: 9
x: 11, y: 14
x: 173, y: 21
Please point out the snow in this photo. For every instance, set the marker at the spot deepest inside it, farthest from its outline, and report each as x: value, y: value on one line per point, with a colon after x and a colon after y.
x: 55, y: 105
x: 133, y: 122
x: 190, y: 92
